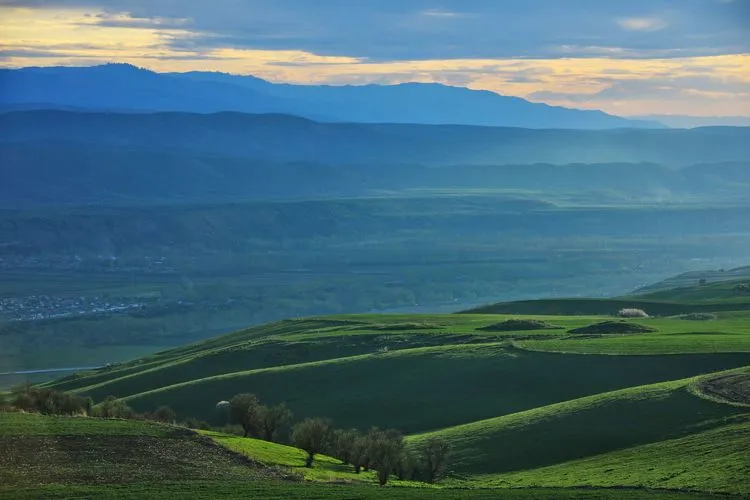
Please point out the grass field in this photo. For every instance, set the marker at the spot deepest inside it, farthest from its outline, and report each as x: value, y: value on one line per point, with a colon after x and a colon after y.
x: 535, y: 408
x: 721, y: 454
x: 84, y: 458
x: 584, y: 427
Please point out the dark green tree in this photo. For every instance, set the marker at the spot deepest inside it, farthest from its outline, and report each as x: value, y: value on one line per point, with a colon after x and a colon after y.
x: 343, y: 445
x: 385, y: 449
x: 435, y: 456
x: 165, y: 414
x: 244, y: 410
x: 274, y: 418
x: 312, y: 435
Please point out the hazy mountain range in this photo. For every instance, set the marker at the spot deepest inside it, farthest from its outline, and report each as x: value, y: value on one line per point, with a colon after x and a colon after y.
x: 125, y: 88
x: 53, y: 156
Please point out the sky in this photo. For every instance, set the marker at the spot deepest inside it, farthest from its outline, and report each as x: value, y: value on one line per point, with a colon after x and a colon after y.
x: 628, y: 57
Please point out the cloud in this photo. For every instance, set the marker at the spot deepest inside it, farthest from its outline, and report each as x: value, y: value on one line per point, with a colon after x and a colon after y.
x: 429, y: 29
x: 587, y: 53
x: 642, y: 23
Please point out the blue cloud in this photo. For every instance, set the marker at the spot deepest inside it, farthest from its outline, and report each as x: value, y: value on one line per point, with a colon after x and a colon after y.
x: 440, y: 29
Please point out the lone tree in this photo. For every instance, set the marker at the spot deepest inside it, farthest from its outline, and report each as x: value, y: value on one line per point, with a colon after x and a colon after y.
x: 312, y: 435
x: 436, y: 451
x: 272, y: 419
x: 245, y: 410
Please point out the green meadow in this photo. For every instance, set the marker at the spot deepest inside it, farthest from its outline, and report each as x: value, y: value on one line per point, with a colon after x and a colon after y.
x: 548, y: 404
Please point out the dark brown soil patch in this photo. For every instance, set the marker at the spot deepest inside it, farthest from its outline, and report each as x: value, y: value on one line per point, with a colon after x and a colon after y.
x: 103, y: 459
x: 734, y: 388
x: 518, y: 325
x: 613, y: 328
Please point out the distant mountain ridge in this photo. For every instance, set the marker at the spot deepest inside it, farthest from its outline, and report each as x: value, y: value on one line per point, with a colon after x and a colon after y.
x: 124, y: 87
x: 286, y: 138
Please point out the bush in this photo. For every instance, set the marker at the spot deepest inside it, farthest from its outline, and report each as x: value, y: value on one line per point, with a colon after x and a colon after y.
x: 232, y: 429
x: 48, y: 401
x: 112, y: 407
x: 193, y: 423
x: 632, y: 313
x: 165, y: 414
x: 698, y: 317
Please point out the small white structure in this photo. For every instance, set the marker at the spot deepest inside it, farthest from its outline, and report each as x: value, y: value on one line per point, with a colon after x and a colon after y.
x: 221, y: 405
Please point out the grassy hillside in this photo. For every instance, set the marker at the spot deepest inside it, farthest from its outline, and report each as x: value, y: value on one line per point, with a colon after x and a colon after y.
x: 385, y: 368
x: 690, y: 279
x: 581, y: 428
x: 714, y: 460
x: 711, y: 297
x: 84, y: 457
x: 557, y: 401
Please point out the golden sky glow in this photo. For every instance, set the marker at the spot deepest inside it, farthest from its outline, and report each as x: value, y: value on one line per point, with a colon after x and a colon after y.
x: 627, y: 86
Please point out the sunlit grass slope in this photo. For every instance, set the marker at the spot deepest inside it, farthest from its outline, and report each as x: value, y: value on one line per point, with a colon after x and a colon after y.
x: 421, y: 389
x: 715, y: 297
x: 580, y: 429
x: 714, y: 460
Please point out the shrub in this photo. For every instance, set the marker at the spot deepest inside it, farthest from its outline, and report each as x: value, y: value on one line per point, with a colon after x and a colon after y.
x: 698, y: 317
x: 632, y: 313
x: 193, y: 423
x: 165, y: 414
x: 232, y: 429
x: 112, y: 407
x: 48, y: 401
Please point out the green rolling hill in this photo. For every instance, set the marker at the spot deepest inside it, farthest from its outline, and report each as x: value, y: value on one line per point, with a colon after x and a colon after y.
x: 523, y: 397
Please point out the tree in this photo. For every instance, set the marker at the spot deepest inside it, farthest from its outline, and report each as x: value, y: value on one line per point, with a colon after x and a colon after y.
x: 272, y: 419
x: 407, y: 467
x: 312, y: 435
x: 384, y: 452
x: 244, y: 410
x: 344, y: 442
x: 436, y: 451
x: 165, y: 414
x: 358, y: 453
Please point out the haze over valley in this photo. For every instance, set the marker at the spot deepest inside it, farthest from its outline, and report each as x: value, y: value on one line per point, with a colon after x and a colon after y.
x: 414, y: 249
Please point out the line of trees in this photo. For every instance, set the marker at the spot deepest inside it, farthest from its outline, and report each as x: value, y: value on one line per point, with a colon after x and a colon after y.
x: 381, y: 450
x: 32, y: 399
